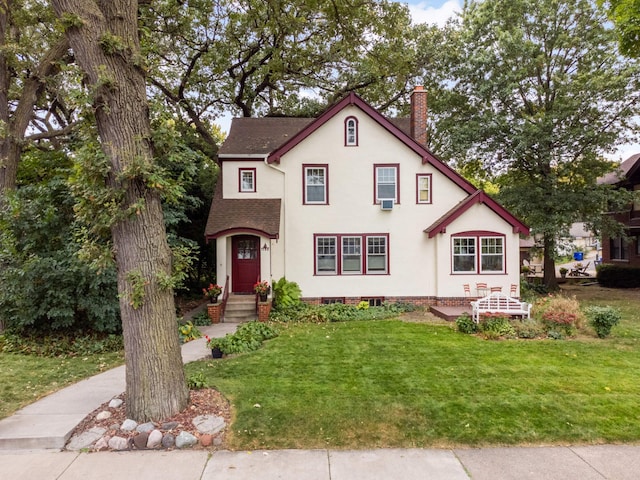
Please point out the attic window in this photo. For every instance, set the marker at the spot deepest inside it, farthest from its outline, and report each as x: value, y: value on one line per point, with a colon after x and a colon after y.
x: 351, y: 132
x: 247, y: 180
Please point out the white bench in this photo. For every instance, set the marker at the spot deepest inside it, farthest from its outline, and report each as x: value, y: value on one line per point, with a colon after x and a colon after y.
x: 499, y: 303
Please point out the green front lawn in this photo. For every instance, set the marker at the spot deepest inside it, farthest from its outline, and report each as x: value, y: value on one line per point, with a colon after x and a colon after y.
x: 397, y: 384
x: 26, y: 378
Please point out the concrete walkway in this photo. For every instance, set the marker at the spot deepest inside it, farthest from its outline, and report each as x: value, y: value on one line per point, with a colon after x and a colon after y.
x: 31, y: 440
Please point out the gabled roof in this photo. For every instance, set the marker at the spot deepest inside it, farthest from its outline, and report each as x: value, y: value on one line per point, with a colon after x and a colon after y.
x: 260, y: 216
x: 260, y: 136
x: 440, y: 225
x: 625, y: 171
x: 396, y: 128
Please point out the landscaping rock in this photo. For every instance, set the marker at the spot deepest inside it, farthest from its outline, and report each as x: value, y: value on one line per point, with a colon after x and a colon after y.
x: 115, y: 403
x: 103, y: 415
x: 209, y: 424
x: 168, y: 441
x: 206, y: 440
x: 102, y: 443
x: 128, y: 425
x: 140, y: 440
x: 155, y: 439
x: 169, y: 425
x: 145, y: 427
x: 118, y: 443
x: 86, y: 439
x: 185, y: 440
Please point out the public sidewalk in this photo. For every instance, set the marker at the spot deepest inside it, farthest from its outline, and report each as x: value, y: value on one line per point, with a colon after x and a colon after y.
x: 534, y: 463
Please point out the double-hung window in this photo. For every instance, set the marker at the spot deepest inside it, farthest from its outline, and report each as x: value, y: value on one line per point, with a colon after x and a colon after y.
x: 326, y: 258
x: 351, y: 254
x: 377, y: 254
x: 464, y: 255
x: 247, y: 180
x: 491, y: 254
x: 619, y: 249
x: 386, y: 183
x: 423, y: 188
x: 481, y: 252
x: 315, y: 185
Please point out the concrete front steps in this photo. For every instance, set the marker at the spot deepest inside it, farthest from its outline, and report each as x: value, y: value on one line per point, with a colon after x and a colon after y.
x: 240, y: 308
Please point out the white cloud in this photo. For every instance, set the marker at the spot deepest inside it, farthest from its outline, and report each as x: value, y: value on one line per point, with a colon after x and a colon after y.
x: 423, y: 12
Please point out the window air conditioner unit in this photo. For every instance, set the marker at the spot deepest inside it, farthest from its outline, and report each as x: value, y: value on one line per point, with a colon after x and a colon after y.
x: 386, y: 204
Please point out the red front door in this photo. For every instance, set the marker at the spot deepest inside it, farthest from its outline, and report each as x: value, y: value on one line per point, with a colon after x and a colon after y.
x: 245, y: 269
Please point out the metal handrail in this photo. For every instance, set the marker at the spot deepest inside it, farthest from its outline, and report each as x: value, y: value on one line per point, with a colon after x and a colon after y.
x: 225, y: 296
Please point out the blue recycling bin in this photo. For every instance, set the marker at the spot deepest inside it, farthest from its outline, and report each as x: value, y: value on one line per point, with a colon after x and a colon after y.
x: 578, y: 256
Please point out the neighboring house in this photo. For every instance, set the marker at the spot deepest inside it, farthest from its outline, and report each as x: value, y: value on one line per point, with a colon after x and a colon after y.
x: 352, y: 206
x: 622, y: 250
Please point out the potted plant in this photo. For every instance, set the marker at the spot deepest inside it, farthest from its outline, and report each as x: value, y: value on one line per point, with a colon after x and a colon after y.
x: 212, y: 292
x: 262, y: 289
x: 563, y: 272
x: 215, y: 344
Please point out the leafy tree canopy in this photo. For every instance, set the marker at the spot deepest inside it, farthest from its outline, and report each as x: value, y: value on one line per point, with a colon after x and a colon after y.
x: 538, y: 94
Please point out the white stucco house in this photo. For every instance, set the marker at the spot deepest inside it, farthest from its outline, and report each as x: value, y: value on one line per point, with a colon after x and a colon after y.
x: 352, y: 206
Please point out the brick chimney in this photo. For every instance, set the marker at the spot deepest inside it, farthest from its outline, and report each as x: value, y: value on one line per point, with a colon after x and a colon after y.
x: 419, y: 115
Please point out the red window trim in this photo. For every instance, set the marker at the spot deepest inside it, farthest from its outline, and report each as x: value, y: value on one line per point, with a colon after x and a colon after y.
x: 326, y: 182
x: 363, y: 244
x: 418, y: 176
x: 478, y: 234
x: 375, y: 181
x: 346, y: 130
x: 255, y: 180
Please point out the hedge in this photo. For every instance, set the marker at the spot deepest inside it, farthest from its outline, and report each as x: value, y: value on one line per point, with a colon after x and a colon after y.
x: 616, y: 276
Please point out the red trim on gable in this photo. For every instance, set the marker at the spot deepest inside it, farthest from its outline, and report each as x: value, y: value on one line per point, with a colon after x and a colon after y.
x: 440, y: 226
x: 231, y: 231
x: 353, y: 99
x: 478, y: 233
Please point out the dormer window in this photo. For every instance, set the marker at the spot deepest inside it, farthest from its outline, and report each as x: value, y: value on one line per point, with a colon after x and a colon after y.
x: 247, y: 180
x: 351, y: 132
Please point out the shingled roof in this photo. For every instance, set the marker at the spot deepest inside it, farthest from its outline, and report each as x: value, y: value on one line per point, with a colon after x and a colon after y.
x: 257, y: 215
x: 261, y: 136
x: 625, y: 171
x: 251, y: 136
x: 440, y: 225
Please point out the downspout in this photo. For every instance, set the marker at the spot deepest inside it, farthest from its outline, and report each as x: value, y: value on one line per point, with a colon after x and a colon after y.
x: 283, y: 219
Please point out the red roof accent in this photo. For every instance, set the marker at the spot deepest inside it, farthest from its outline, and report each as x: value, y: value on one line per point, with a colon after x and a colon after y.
x: 440, y: 225
x: 353, y: 99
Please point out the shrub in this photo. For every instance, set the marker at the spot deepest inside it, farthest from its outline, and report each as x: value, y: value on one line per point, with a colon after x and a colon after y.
x: 61, y: 344
x: 465, y: 324
x: 201, y: 319
x: 247, y: 338
x: 337, y: 312
x: 285, y: 293
x: 496, y: 326
x: 527, y: 328
x: 617, y: 276
x: 602, y: 319
x: 559, y: 314
x: 188, y: 331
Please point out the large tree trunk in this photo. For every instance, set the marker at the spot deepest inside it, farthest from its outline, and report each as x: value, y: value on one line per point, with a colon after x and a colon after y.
x: 104, y: 37
x: 549, y: 265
